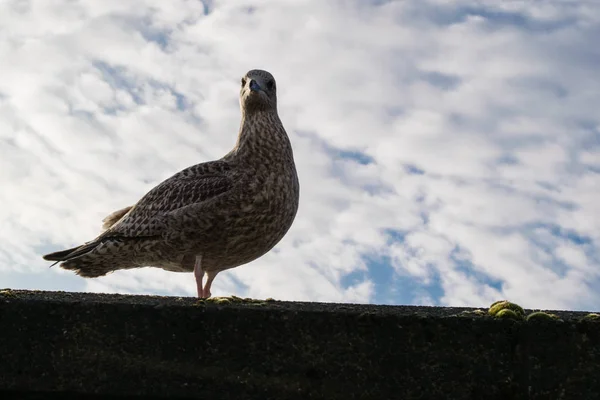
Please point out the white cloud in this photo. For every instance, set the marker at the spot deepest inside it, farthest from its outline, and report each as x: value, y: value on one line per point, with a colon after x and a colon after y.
x: 479, y: 126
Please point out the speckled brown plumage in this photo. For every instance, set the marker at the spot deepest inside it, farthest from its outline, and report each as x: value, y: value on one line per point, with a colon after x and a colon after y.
x: 211, y: 216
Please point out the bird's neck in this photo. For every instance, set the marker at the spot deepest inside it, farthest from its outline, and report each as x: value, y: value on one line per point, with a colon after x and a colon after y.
x: 262, y: 136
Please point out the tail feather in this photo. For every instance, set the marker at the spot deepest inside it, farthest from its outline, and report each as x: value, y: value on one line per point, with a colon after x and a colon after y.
x: 109, y: 256
x: 64, y: 255
x: 105, y: 254
x: 68, y: 254
x: 59, y: 255
x: 99, y: 257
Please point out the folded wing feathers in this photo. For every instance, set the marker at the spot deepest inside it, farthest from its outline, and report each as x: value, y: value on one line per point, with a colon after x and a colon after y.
x: 191, y: 186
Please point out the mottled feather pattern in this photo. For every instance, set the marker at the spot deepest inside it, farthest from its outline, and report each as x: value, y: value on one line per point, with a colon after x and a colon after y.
x: 193, y: 185
x: 229, y: 211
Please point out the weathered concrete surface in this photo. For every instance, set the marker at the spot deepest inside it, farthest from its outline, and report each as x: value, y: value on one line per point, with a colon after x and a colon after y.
x: 71, y: 344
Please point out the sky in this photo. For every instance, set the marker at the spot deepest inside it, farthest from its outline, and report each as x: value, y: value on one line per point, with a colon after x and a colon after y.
x: 448, y: 151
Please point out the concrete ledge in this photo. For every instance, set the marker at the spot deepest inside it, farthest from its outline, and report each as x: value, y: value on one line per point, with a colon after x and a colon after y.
x: 70, y: 344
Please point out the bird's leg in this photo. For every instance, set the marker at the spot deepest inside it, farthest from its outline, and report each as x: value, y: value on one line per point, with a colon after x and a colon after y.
x: 210, y: 276
x: 199, y: 274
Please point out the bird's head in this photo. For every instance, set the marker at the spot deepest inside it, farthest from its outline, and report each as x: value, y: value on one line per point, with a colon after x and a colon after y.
x: 258, y: 91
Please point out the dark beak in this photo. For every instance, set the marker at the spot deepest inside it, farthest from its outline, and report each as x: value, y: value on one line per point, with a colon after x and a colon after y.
x: 255, y: 87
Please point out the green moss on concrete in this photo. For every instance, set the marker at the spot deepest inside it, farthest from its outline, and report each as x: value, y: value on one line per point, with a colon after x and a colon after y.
x: 542, y: 316
x: 232, y: 300
x: 594, y: 317
x: 472, y: 313
x: 7, y: 293
x: 508, y: 314
x: 499, y: 306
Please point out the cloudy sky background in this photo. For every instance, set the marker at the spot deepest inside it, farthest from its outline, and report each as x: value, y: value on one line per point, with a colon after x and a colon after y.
x: 448, y: 151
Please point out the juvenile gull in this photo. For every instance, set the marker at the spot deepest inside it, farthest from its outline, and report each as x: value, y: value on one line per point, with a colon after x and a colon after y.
x: 211, y: 216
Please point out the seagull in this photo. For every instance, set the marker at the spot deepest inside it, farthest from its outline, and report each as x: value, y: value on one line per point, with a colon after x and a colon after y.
x: 211, y: 216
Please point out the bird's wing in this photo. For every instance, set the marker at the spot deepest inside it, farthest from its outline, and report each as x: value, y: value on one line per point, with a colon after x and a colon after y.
x: 193, y: 185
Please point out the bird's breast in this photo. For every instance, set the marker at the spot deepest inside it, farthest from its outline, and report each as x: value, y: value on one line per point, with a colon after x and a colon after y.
x: 256, y: 221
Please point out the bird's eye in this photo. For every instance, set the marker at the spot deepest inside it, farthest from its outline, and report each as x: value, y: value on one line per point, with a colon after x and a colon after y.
x: 270, y: 85
x: 243, y: 81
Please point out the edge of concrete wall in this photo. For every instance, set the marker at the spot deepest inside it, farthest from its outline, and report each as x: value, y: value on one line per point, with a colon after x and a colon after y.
x: 109, y: 346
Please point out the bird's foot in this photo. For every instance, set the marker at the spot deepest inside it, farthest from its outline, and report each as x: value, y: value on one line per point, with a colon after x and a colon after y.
x: 203, y: 288
x: 205, y: 293
x: 199, y: 275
